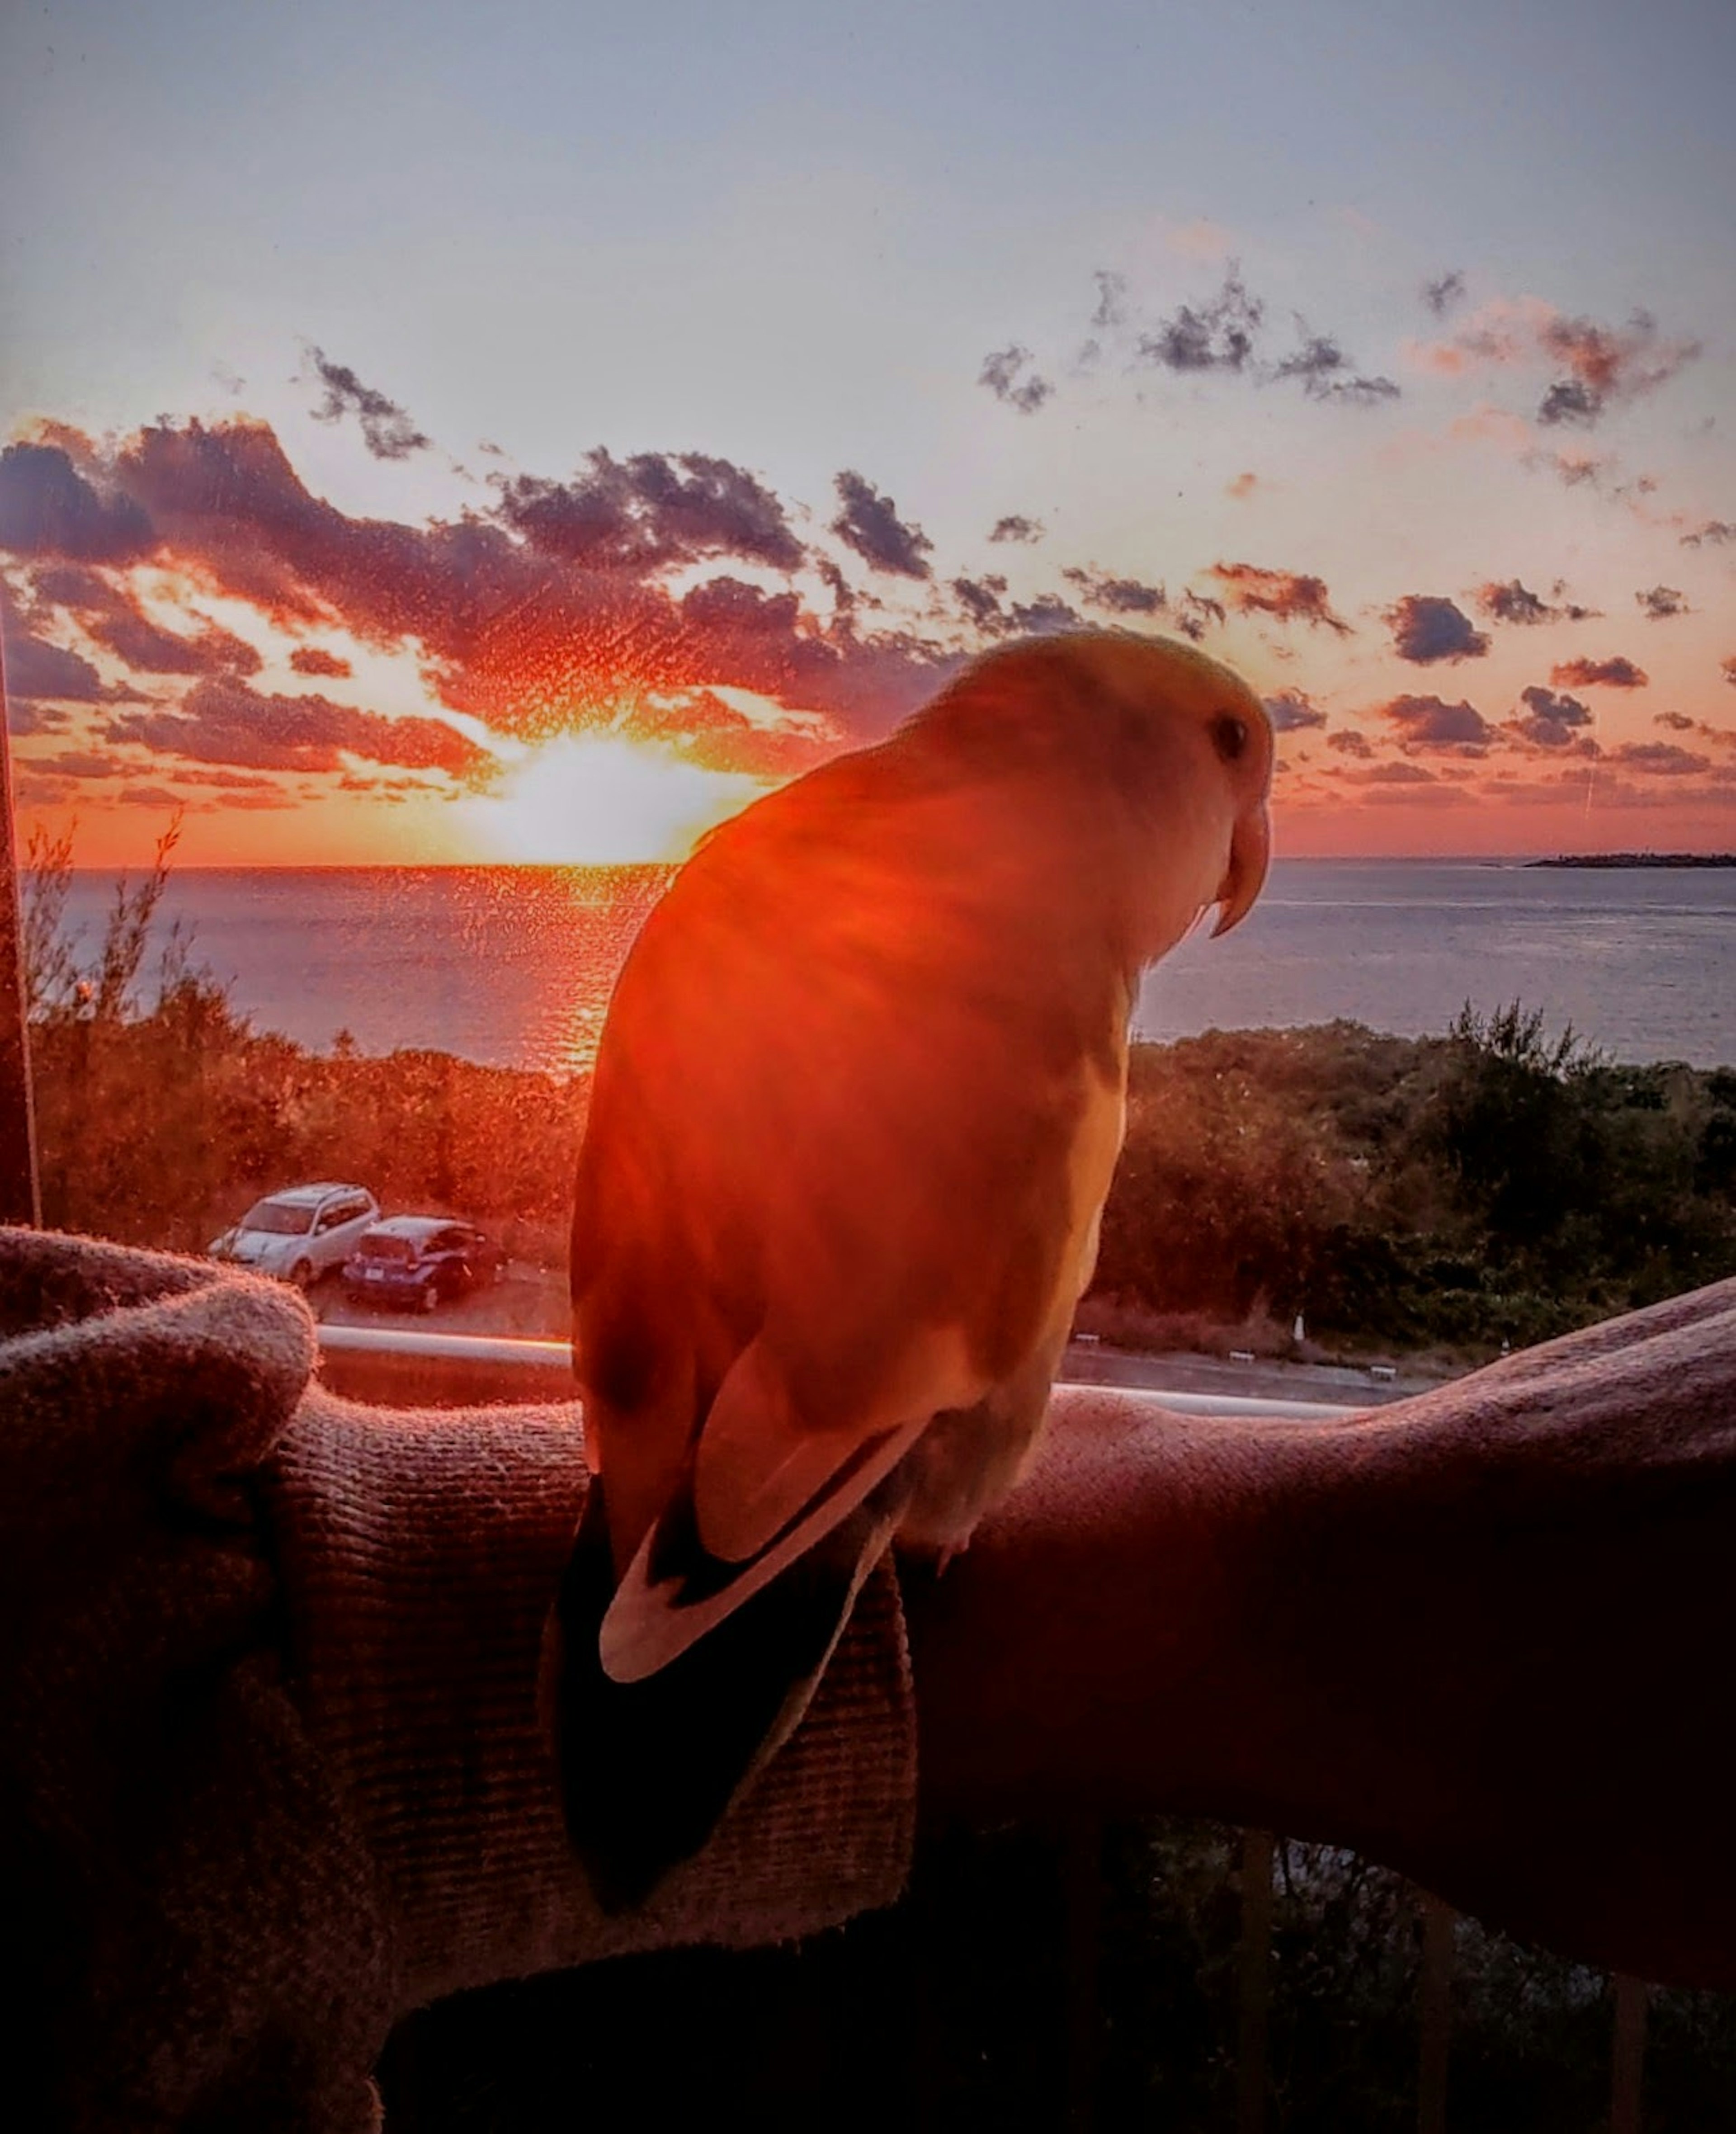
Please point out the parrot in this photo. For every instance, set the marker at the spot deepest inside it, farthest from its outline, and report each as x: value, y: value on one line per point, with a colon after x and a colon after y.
x: 857, y: 1101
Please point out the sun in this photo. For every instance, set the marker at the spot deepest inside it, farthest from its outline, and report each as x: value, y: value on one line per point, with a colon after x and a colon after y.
x: 601, y: 800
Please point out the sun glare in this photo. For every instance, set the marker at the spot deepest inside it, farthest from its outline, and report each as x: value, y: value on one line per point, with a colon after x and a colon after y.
x: 601, y: 800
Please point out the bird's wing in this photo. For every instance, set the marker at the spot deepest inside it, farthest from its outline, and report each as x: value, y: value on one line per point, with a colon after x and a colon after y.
x: 765, y: 1487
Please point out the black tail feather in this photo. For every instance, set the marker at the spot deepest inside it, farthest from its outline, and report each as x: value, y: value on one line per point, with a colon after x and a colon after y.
x: 648, y: 1768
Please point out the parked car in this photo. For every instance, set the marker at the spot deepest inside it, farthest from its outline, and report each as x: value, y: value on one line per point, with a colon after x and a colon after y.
x: 300, y: 1233
x: 413, y: 1263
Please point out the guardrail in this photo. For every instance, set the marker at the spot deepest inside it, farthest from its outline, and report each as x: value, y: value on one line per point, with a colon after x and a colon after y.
x: 414, y: 1369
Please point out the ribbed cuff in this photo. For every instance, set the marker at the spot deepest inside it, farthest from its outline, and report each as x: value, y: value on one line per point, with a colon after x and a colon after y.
x: 419, y: 1553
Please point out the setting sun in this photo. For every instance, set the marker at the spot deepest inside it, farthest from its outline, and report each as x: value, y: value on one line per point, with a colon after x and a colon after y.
x: 600, y: 799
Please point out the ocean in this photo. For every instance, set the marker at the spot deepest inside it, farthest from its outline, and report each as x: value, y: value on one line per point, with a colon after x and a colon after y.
x: 513, y: 966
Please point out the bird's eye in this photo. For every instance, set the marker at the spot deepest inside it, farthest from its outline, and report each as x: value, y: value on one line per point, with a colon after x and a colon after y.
x: 1229, y: 736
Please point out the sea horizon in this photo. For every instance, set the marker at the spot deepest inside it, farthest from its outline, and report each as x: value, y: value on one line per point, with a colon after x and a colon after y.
x: 512, y: 965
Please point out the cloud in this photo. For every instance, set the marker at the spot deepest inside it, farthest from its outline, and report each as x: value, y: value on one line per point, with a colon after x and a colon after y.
x: 1728, y: 671
x: 1289, y: 595
x: 1550, y: 720
x: 1290, y: 711
x: 1661, y: 602
x: 1600, y: 366
x: 1441, y: 295
x: 980, y: 600
x: 1045, y: 615
x: 1660, y: 759
x: 48, y: 508
x: 313, y: 659
x: 1431, y: 722
x: 39, y: 672
x: 387, y: 431
x: 1111, y: 306
x: 1392, y: 774
x: 226, y: 722
x: 651, y: 512
x: 1195, y: 611
x: 1015, y: 527
x: 1347, y: 742
x: 1321, y: 366
x: 869, y: 523
x: 1000, y: 372
x: 1117, y: 595
x: 1216, y: 336
x: 1512, y: 602
x: 1615, y: 673
x: 1426, y: 630
x: 1243, y: 486
x: 1676, y: 721
x: 1717, y: 531
x: 111, y: 617
x: 531, y: 642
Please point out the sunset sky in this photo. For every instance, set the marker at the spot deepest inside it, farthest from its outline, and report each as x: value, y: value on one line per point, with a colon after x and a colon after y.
x: 442, y: 433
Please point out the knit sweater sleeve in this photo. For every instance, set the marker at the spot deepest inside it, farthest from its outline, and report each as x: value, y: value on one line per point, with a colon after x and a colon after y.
x: 272, y: 1771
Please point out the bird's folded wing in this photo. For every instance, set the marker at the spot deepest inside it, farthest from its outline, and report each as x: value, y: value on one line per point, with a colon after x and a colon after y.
x: 767, y: 1486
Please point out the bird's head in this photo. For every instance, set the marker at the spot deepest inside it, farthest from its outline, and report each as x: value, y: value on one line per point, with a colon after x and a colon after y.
x: 1160, y: 758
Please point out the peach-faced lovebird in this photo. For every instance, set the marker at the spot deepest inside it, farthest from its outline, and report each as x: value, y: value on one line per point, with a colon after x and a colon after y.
x: 856, y: 1106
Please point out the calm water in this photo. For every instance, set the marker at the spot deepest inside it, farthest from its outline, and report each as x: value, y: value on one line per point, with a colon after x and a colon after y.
x: 513, y: 966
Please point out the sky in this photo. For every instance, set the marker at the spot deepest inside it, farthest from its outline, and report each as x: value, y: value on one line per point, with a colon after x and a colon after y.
x: 440, y: 434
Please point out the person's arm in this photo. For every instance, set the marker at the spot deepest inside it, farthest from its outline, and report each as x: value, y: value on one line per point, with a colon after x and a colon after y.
x: 1484, y: 1635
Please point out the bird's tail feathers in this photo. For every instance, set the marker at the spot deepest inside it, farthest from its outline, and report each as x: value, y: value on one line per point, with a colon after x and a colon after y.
x: 650, y: 1766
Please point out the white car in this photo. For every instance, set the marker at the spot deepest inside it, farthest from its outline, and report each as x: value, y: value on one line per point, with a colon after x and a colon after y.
x: 300, y: 1233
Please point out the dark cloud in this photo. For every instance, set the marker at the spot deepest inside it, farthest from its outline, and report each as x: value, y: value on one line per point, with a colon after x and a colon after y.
x: 869, y: 523
x: 48, y: 508
x: 1000, y: 372
x: 1718, y: 531
x: 1431, y: 722
x: 1290, y: 711
x: 1045, y: 615
x: 1111, y: 307
x: 1217, y: 335
x: 77, y: 763
x: 387, y: 431
x: 1195, y: 612
x: 1393, y: 774
x: 1441, y: 295
x: 1289, y: 595
x: 1016, y: 527
x: 1117, y: 595
x: 1676, y: 721
x: 226, y: 722
x: 111, y: 617
x: 980, y: 600
x: 1616, y: 673
x: 1347, y: 742
x: 39, y: 672
x: 1513, y: 602
x: 1660, y: 759
x: 1325, y: 373
x: 651, y: 512
x: 1426, y: 628
x: 1660, y: 602
x: 1605, y: 363
x: 1599, y: 365
x: 1728, y: 671
x: 1550, y: 720
x: 531, y: 643
x: 1569, y: 400
x: 160, y: 797
x: 314, y: 660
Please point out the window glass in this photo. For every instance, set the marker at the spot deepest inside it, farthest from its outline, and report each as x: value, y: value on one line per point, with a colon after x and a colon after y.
x: 393, y: 616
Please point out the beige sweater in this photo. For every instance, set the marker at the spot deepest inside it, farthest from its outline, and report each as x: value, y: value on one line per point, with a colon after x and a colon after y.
x: 271, y: 1768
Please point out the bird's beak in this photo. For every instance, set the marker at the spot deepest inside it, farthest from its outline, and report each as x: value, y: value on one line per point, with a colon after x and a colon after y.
x: 1251, y: 851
